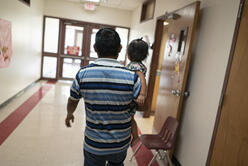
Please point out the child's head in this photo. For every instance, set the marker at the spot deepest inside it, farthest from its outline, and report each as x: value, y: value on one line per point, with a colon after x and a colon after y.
x: 107, y: 43
x: 137, y: 50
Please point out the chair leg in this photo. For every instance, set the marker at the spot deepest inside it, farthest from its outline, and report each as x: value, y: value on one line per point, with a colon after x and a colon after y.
x: 168, y: 158
x: 154, y: 157
x: 160, y: 155
x: 135, y: 151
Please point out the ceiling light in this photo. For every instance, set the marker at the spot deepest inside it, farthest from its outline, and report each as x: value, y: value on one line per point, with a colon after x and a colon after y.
x: 166, y: 23
x: 94, y: 1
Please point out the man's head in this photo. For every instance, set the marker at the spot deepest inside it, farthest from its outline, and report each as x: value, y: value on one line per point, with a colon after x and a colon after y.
x: 107, y: 43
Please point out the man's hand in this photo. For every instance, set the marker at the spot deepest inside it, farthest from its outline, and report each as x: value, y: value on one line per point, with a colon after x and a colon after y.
x: 71, y: 107
x: 69, y: 118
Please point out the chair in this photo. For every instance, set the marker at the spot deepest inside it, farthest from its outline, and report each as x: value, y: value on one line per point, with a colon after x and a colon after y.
x: 163, y: 141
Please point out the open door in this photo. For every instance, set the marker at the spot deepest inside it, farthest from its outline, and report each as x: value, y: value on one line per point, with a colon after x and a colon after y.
x: 172, y: 53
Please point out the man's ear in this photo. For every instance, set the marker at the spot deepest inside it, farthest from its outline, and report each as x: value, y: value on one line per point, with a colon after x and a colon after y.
x: 95, y: 48
x: 119, y: 49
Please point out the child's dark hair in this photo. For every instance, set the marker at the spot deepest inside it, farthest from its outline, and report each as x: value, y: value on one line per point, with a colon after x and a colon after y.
x: 107, y: 42
x: 137, y: 50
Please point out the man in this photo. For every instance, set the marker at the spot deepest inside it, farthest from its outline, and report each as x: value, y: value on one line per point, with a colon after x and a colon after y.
x: 108, y: 88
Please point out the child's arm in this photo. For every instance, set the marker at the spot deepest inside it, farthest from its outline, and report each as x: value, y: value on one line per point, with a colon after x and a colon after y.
x: 142, y: 95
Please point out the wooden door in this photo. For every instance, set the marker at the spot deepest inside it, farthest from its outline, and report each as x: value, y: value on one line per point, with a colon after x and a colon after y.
x: 230, y: 147
x: 180, y: 27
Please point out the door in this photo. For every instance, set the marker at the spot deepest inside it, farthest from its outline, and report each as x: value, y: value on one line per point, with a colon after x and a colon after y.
x: 230, y: 145
x: 72, y: 53
x: 178, y: 32
x: 68, y: 46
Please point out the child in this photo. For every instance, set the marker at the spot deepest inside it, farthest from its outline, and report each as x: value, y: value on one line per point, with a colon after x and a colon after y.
x: 137, y: 52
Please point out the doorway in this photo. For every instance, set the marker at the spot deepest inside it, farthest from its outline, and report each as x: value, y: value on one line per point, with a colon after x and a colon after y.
x: 170, y: 63
x: 68, y: 46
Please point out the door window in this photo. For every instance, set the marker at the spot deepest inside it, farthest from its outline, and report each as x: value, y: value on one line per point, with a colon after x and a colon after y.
x: 49, y: 67
x: 70, y: 67
x: 123, y: 33
x: 73, y: 40
x: 51, y: 35
x: 93, y: 53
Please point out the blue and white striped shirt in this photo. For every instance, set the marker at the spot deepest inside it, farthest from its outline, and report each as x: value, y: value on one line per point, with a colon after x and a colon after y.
x: 108, y: 88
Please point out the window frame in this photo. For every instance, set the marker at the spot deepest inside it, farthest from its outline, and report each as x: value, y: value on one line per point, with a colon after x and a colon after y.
x: 144, y: 10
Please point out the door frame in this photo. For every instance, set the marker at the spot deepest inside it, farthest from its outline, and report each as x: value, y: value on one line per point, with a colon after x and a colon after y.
x: 224, y: 87
x: 147, y: 108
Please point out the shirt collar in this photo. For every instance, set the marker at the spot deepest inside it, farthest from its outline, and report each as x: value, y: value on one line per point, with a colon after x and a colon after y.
x: 108, y: 62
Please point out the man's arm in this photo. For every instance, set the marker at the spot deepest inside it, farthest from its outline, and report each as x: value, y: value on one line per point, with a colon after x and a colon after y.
x: 71, y: 107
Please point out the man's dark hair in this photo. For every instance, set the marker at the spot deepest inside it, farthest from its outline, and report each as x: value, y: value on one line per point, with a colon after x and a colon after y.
x: 107, y: 42
x: 137, y: 50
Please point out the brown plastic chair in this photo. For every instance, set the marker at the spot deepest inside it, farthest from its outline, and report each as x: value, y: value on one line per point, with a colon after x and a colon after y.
x: 163, y: 141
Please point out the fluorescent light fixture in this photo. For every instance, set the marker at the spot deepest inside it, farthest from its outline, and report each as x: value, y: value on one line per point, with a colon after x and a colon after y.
x: 94, y: 1
x: 166, y: 23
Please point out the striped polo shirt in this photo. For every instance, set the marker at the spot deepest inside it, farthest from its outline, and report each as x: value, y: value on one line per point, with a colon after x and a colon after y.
x: 108, y: 88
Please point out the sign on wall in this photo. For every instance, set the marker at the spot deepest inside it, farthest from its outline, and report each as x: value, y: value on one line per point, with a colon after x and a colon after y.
x: 73, y: 50
x: 5, y: 43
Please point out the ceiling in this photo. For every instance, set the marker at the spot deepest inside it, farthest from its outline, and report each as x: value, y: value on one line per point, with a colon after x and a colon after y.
x: 120, y: 4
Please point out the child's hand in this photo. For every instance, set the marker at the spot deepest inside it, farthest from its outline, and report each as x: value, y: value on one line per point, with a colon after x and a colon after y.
x: 141, y: 99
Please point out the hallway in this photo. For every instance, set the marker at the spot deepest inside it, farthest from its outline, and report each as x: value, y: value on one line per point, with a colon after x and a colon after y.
x: 190, y: 55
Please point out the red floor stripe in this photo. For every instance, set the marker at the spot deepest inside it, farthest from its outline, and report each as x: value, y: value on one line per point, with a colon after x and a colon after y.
x: 51, y: 82
x: 8, y: 125
x: 144, y: 155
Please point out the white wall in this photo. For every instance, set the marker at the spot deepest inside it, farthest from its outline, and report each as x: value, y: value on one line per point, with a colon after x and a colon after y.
x: 76, y: 11
x: 26, y: 42
x: 213, y: 43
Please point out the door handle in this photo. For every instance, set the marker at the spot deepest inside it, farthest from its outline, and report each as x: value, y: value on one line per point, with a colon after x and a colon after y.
x: 176, y: 92
x: 179, y: 93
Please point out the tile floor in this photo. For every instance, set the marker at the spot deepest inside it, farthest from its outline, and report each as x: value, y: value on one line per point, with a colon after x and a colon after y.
x: 42, y: 139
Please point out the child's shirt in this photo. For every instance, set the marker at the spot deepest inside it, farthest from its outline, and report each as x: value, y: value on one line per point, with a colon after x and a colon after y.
x: 137, y: 66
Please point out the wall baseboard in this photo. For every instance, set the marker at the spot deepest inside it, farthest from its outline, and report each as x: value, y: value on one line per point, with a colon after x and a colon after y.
x: 175, y: 161
x: 18, y: 94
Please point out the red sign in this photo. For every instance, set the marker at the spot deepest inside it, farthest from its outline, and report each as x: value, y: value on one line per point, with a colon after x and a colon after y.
x: 89, y: 6
x: 73, y: 50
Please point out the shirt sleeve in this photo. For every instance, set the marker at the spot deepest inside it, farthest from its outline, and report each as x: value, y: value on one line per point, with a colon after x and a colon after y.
x: 75, y: 93
x: 136, y: 67
x: 136, y: 90
x: 137, y: 86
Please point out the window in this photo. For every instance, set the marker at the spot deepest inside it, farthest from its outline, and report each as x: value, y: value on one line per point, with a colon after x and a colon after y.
x: 147, y: 11
x: 73, y: 40
x: 70, y: 67
x: 49, y: 67
x: 51, y: 36
x: 123, y: 33
x: 68, y: 46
